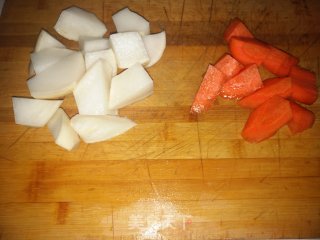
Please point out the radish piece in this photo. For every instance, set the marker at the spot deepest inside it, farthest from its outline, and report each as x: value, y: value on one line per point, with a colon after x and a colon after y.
x: 45, y: 40
x: 132, y: 85
x: 47, y: 57
x: 92, y: 91
x: 107, y: 55
x: 75, y: 22
x: 129, y: 49
x: 93, y: 44
x: 129, y: 21
x: 59, y: 79
x: 34, y: 112
x: 60, y: 127
x: 100, y: 128
x: 155, y: 45
x: 31, y: 70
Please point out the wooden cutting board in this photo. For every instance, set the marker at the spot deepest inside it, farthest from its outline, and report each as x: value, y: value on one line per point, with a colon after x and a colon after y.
x: 173, y: 176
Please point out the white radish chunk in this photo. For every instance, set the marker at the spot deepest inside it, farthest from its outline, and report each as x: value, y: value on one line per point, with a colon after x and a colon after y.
x: 129, y: 21
x: 100, y: 128
x: 60, y: 128
x: 45, y: 40
x: 93, y: 44
x: 59, y: 79
x: 34, y: 112
x: 75, y: 22
x: 129, y: 49
x: 92, y: 91
x: 155, y: 45
x: 47, y: 57
x: 132, y: 85
x: 106, y: 55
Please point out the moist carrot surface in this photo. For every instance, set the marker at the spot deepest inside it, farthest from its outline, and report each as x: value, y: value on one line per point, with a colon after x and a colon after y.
x: 229, y: 66
x: 267, y: 119
x: 303, y: 92
x: 271, y: 87
x: 243, y: 84
x: 302, y: 118
x: 248, y: 51
x: 208, y: 90
x: 237, y: 28
x: 303, y: 74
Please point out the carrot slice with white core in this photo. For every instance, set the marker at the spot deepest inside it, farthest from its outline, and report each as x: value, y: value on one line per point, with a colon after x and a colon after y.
x: 155, y: 45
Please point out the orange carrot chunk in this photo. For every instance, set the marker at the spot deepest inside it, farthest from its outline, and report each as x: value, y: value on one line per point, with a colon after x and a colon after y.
x: 303, y: 91
x: 271, y: 87
x: 267, y: 119
x: 243, y: 84
x: 302, y: 118
x: 237, y: 28
x: 279, y: 62
x: 208, y: 90
x: 229, y: 66
x: 303, y: 74
x: 248, y: 51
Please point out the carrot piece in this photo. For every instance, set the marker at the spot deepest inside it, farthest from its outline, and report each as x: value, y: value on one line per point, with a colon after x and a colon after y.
x: 303, y: 74
x: 303, y: 92
x: 208, y: 90
x: 243, y: 84
x: 279, y: 62
x: 267, y: 119
x: 302, y: 118
x: 237, y: 28
x: 229, y: 66
x: 248, y: 51
x: 271, y: 87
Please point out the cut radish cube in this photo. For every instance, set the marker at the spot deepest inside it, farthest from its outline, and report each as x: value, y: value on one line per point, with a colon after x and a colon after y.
x: 75, y: 22
x: 93, y: 44
x: 100, y: 128
x: 34, y: 112
x: 45, y: 40
x: 128, y: 21
x: 106, y: 55
x: 59, y: 79
x: 132, y: 85
x: 92, y: 91
x: 60, y: 127
x: 129, y: 49
x: 155, y: 45
x: 47, y: 57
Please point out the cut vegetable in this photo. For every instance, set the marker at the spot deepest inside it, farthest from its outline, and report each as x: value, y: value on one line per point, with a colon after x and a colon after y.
x: 60, y: 128
x: 107, y: 55
x: 34, y: 112
x: 302, y: 118
x: 129, y: 49
x: 303, y: 75
x: 155, y: 45
x: 59, y: 79
x: 267, y: 119
x: 132, y: 85
x: 100, y: 128
x: 243, y: 84
x: 208, y: 90
x: 93, y: 90
x: 75, y: 22
x: 47, y: 57
x: 303, y: 92
x: 237, y: 28
x: 229, y: 66
x: 128, y: 21
x: 248, y: 51
x: 45, y: 40
x: 93, y: 44
x: 271, y: 87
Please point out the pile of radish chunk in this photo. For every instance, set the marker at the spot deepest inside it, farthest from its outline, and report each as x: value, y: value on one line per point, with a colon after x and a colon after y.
x: 90, y: 74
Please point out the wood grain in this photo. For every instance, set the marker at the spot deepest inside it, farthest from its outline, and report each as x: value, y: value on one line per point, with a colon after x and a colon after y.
x: 173, y: 176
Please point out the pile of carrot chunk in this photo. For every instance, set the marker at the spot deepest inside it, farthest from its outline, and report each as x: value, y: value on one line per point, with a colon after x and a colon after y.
x: 272, y: 101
